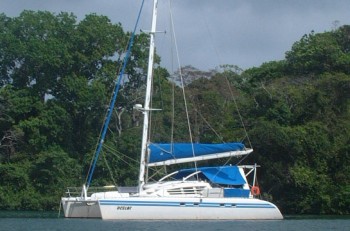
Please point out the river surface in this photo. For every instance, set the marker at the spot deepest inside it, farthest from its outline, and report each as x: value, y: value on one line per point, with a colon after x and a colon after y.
x: 36, y: 221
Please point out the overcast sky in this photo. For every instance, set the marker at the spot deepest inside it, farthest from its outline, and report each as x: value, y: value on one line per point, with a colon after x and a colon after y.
x: 245, y: 33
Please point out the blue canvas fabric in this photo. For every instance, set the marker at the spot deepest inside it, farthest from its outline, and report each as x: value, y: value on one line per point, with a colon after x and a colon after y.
x: 224, y: 175
x: 167, y: 151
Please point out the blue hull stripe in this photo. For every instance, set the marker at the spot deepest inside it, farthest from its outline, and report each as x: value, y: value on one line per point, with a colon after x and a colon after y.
x: 185, y: 204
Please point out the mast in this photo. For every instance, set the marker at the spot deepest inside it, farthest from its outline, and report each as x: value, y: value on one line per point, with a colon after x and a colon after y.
x: 146, y: 109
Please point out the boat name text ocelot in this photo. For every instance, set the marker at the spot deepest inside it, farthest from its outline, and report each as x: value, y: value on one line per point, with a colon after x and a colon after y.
x: 124, y: 207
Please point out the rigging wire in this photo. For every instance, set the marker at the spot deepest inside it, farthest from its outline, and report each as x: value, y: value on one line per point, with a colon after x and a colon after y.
x: 111, y: 106
x: 173, y: 85
x: 227, y: 81
x: 211, y: 38
x: 109, y: 169
x: 173, y: 104
x: 182, y: 83
x: 209, y: 125
x: 120, y: 155
x: 238, y: 111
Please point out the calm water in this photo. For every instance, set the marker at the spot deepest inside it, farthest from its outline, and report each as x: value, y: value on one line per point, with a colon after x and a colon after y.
x: 21, y: 221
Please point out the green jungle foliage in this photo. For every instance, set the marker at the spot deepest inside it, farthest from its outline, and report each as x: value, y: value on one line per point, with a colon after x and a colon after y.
x: 57, y: 75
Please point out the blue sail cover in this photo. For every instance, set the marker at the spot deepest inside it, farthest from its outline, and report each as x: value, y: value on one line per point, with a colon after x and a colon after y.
x: 166, y: 151
x: 225, y: 175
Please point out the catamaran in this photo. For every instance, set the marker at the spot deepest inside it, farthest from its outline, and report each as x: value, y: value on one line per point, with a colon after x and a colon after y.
x: 198, y: 193
x: 221, y: 192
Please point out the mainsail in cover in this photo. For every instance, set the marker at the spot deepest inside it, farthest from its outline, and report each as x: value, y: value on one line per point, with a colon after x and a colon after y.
x: 175, y: 153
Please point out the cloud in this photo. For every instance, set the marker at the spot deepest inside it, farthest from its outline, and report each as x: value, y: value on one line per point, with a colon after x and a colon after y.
x: 209, y: 33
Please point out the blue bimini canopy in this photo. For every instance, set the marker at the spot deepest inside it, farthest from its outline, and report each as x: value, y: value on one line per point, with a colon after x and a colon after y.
x: 172, y: 153
x: 225, y: 175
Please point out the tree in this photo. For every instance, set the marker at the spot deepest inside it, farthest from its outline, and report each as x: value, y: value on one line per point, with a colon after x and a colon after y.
x: 51, y: 171
x: 38, y: 52
x: 318, y: 53
x: 57, y: 74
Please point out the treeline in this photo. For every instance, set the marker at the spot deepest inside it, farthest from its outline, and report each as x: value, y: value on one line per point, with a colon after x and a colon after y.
x: 57, y: 75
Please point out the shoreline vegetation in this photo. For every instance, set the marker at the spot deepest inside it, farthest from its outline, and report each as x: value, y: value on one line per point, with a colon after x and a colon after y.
x: 55, y: 214
x: 56, y: 75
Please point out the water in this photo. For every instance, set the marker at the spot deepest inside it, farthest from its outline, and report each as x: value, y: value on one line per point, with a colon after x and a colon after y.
x: 22, y: 221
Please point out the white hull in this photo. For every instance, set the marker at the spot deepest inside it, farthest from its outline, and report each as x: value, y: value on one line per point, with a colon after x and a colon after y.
x: 79, y: 208
x: 203, y: 193
x: 180, y: 208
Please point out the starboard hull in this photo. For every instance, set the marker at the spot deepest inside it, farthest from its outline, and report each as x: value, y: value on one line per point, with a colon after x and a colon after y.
x: 153, y: 208
x: 77, y: 208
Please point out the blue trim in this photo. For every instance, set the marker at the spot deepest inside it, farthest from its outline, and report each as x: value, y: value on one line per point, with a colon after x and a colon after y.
x: 185, y: 204
x: 227, y: 175
x: 236, y: 192
x: 112, y: 103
